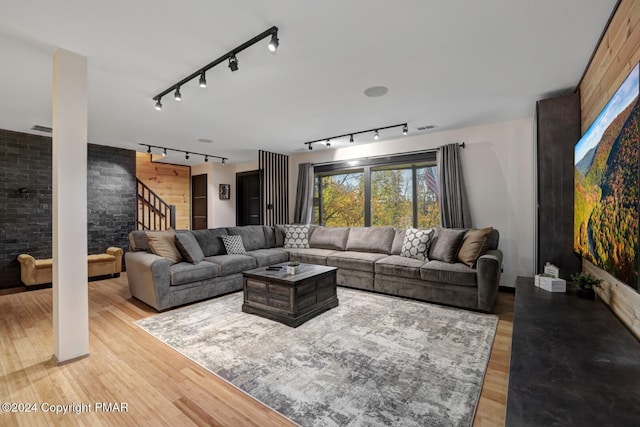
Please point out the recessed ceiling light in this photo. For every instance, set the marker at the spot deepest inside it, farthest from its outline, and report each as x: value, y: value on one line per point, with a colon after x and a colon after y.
x: 206, y: 140
x: 375, y: 91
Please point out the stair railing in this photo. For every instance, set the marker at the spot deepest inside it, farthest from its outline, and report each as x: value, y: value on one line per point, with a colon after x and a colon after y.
x: 152, y: 212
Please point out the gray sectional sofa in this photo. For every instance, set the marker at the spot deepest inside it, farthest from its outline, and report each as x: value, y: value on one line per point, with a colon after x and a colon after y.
x: 366, y: 257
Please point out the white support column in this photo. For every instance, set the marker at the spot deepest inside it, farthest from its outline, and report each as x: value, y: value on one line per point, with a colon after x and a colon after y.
x: 70, y: 290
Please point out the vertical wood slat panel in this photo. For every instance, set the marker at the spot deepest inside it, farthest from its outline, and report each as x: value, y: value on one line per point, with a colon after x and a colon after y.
x: 274, y: 173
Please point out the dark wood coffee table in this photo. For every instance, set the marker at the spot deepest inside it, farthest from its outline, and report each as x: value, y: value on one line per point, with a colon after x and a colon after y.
x: 291, y: 299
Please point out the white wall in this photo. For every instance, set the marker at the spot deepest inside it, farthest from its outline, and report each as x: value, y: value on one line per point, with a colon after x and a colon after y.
x: 498, y: 165
x: 220, y: 213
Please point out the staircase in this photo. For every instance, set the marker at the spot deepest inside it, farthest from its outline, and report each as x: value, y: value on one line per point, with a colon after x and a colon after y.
x: 152, y: 212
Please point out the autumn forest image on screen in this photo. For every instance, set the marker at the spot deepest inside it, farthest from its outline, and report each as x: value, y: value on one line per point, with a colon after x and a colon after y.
x: 606, y: 186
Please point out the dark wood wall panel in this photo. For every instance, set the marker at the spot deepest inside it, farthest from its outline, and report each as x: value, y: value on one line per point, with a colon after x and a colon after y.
x: 274, y: 175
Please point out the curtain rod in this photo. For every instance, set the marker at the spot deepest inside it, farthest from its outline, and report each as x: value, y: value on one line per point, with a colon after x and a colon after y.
x: 431, y: 150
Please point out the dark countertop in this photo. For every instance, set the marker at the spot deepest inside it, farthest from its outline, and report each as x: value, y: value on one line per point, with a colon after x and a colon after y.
x: 573, y: 363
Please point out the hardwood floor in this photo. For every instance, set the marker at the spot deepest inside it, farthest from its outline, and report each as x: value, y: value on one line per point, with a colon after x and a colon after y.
x: 158, y: 385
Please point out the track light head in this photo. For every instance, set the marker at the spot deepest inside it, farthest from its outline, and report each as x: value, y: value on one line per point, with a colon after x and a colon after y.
x: 310, y: 147
x: 328, y: 143
x: 149, y: 149
x: 405, y: 129
x: 376, y: 135
x: 186, y: 156
x: 206, y: 159
x: 233, y: 63
x: 203, y: 80
x: 274, y: 43
x: 164, y: 153
x: 159, y: 104
x: 351, y: 139
x: 224, y: 161
x: 177, y: 95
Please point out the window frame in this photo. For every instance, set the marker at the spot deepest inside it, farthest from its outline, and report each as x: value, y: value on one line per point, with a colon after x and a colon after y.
x: 416, y: 160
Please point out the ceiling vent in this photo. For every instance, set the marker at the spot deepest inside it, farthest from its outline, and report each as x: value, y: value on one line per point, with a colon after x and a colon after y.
x: 427, y: 127
x: 42, y: 128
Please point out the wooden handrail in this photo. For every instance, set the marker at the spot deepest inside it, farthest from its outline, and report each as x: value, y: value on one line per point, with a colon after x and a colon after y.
x: 153, y: 213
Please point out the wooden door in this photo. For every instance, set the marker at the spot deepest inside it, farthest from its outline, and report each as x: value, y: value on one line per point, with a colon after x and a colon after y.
x: 248, y: 198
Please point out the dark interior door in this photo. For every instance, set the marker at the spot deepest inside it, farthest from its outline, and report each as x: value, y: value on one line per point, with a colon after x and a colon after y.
x: 248, y: 208
x: 199, y: 202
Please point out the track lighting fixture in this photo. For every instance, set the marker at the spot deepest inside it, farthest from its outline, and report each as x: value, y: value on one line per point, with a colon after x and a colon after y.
x: 376, y: 135
x: 224, y: 161
x: 233, y: 63
x: 274, y: 43
x: 230, y: 56
x: 186, y: 153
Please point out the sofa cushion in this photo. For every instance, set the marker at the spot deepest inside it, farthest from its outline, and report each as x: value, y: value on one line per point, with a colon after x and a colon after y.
x: 371, y: 239
x: 269, y: 236
x: 416, y: 243
x: 361, y: 261
x: 233, y: 244
x: 185, y: 272
x: 279, y: 231
x: 138, y: 241
x: 230, y: 264
x: 329, y: 238
x: 399, y: 266
x: 210, y: 241
x: 494, y: 239
x: 474, y: 245
x: 296, y: 236
x: 398, y: 241
x: 163, y: 243
x: 189, y: 247
x: 309, y: 256
x: 445, y: 244
x: 269, y: 256
x: 252, y: 236
x: 452, y: 274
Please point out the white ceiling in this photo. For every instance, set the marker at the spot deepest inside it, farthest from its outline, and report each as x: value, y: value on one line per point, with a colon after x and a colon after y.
x: 448, y: 63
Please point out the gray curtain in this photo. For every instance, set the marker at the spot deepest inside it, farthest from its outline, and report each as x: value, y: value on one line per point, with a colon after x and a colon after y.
x: 304, y: 195
x: 454, y: 205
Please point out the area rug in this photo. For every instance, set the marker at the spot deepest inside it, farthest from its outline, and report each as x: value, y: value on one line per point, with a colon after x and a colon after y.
x: 374, y: 360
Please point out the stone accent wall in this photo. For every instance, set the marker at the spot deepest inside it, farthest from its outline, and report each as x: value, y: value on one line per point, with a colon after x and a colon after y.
x: 26, y: 199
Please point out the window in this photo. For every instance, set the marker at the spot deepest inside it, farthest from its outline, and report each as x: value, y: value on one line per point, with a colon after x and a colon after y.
x: 341, y: 197
x: 399, y: 191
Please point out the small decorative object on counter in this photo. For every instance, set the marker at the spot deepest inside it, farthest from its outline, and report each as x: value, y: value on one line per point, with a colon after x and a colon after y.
x: 550, y: 283
x: 551, y: 270
x: 293, y: 267
x: 585, y: 285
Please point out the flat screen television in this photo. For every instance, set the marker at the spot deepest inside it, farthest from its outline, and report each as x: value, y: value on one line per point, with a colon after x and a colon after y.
x: 606, y: 186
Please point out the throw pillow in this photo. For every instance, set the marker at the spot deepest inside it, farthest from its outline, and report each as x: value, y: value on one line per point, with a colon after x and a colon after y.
x: 189, y: 247
x: 416, y: 243
x: 474, y: 245
x: 296, y: 236
x: 163, y: 243
x: 446, y: 244
x: 233, y: 244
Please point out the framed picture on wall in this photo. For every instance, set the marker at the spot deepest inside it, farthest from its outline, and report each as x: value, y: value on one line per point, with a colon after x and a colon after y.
x: 225, y: 191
